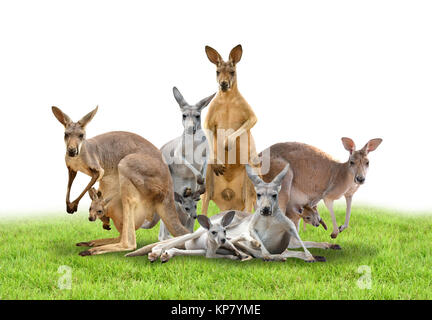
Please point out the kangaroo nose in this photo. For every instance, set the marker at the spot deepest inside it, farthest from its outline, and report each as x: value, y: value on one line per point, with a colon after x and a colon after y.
x: 224, y: 85
x: 265, y: 210
x: 360, y: 179
x: 72, y: 152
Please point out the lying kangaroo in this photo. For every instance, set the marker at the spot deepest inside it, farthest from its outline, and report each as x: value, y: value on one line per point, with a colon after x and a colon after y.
x: 212, y: 244
x: 228, y: 124
x: 314, y: 175
x: 98, y: 208
x: 186, y: 155
x: 127, y: 165
x: 265, y: 234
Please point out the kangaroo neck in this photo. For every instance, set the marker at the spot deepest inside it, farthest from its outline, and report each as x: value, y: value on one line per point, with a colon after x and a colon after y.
x: 341, y: 179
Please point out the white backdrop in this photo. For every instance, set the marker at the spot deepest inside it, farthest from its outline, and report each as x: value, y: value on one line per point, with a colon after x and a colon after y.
x: 313, y: 71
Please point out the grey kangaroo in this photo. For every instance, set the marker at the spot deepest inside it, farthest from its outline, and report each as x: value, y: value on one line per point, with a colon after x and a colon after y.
x: 186, y: 155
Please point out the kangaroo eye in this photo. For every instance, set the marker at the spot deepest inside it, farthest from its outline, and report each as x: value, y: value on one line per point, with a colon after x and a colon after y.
x: 81, y: 136
x: 258, y: 195
x: 197, y: 117
x: 232, y: 73
x: 367, y: 163
x: 217, y: 73
x: 214, y: 233
x: 184, y: 117
x: 352, y: 163
x: 66, y: 135
x: 274, y: 196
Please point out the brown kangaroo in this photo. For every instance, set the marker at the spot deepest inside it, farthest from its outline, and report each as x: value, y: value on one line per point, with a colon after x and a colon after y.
x: 314, y: 175
x: 127, y: 165
x: 228, y: 123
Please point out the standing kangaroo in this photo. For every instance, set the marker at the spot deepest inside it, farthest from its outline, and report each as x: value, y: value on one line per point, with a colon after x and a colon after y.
x: 186, y: 155
x: 125, y: 164
x: 228, y: 123
x: 314, y: 175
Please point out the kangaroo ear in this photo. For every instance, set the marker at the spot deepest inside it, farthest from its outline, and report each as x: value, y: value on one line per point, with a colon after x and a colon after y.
x: 278, y: 179
x: 228, y: 218
x: 213, y: 55
x: 179, y: 97
x: 204, y: 102
x: 348, y: 144
x: 178, y: 198
x: 93, y: 194
x: 204, y: 221
x: 236, y: 54
x: 372, y: 145
x: 87, y: 118
x: 61, y: 116
x: 252, y: 175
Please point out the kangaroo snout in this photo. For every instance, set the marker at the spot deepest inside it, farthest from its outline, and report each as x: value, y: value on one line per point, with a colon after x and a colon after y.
x: 92, y: 219
x: 359, y: 179
x: 72, y: 152
x: 265, y: 211
x: 224, y: 85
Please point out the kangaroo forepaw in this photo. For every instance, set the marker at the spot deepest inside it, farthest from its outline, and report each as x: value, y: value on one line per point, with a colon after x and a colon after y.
x: 335, y: 247
x: 334, y: 235
x: 71, y: 207
x: 165, y: 257
x: 153, y: 256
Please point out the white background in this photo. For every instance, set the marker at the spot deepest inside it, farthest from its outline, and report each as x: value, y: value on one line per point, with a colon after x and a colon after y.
x: 313, y: 71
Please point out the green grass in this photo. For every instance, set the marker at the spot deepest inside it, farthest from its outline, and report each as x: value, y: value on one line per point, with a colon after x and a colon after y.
x: 396, y: 247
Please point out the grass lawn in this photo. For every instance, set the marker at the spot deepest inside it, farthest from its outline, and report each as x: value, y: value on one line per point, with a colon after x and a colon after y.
x: 397, y: 248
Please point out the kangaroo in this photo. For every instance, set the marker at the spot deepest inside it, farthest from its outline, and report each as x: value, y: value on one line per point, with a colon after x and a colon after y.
x: 186, y: 155
x: 228, y: 124
x: 264, y: 234
x: 314, y: 175
x: 98, y: 208
x: 127, y: 165
x: 186, y: 207
x: 211, y: 244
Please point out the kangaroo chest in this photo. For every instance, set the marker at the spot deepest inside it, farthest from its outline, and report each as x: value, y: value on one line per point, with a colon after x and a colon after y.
x: 272, y: 234
x: 77, y: 164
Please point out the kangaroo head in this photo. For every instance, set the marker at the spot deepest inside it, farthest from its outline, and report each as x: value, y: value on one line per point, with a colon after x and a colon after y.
x: 358, y: 161
x: 187, y: 202
x: 216, y: 231
x: 310, y: 215
x: 226, y: 74
x: 75, y: 132
x: 98, y: 205
x: 191, y: 113
x: 267, y: 193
